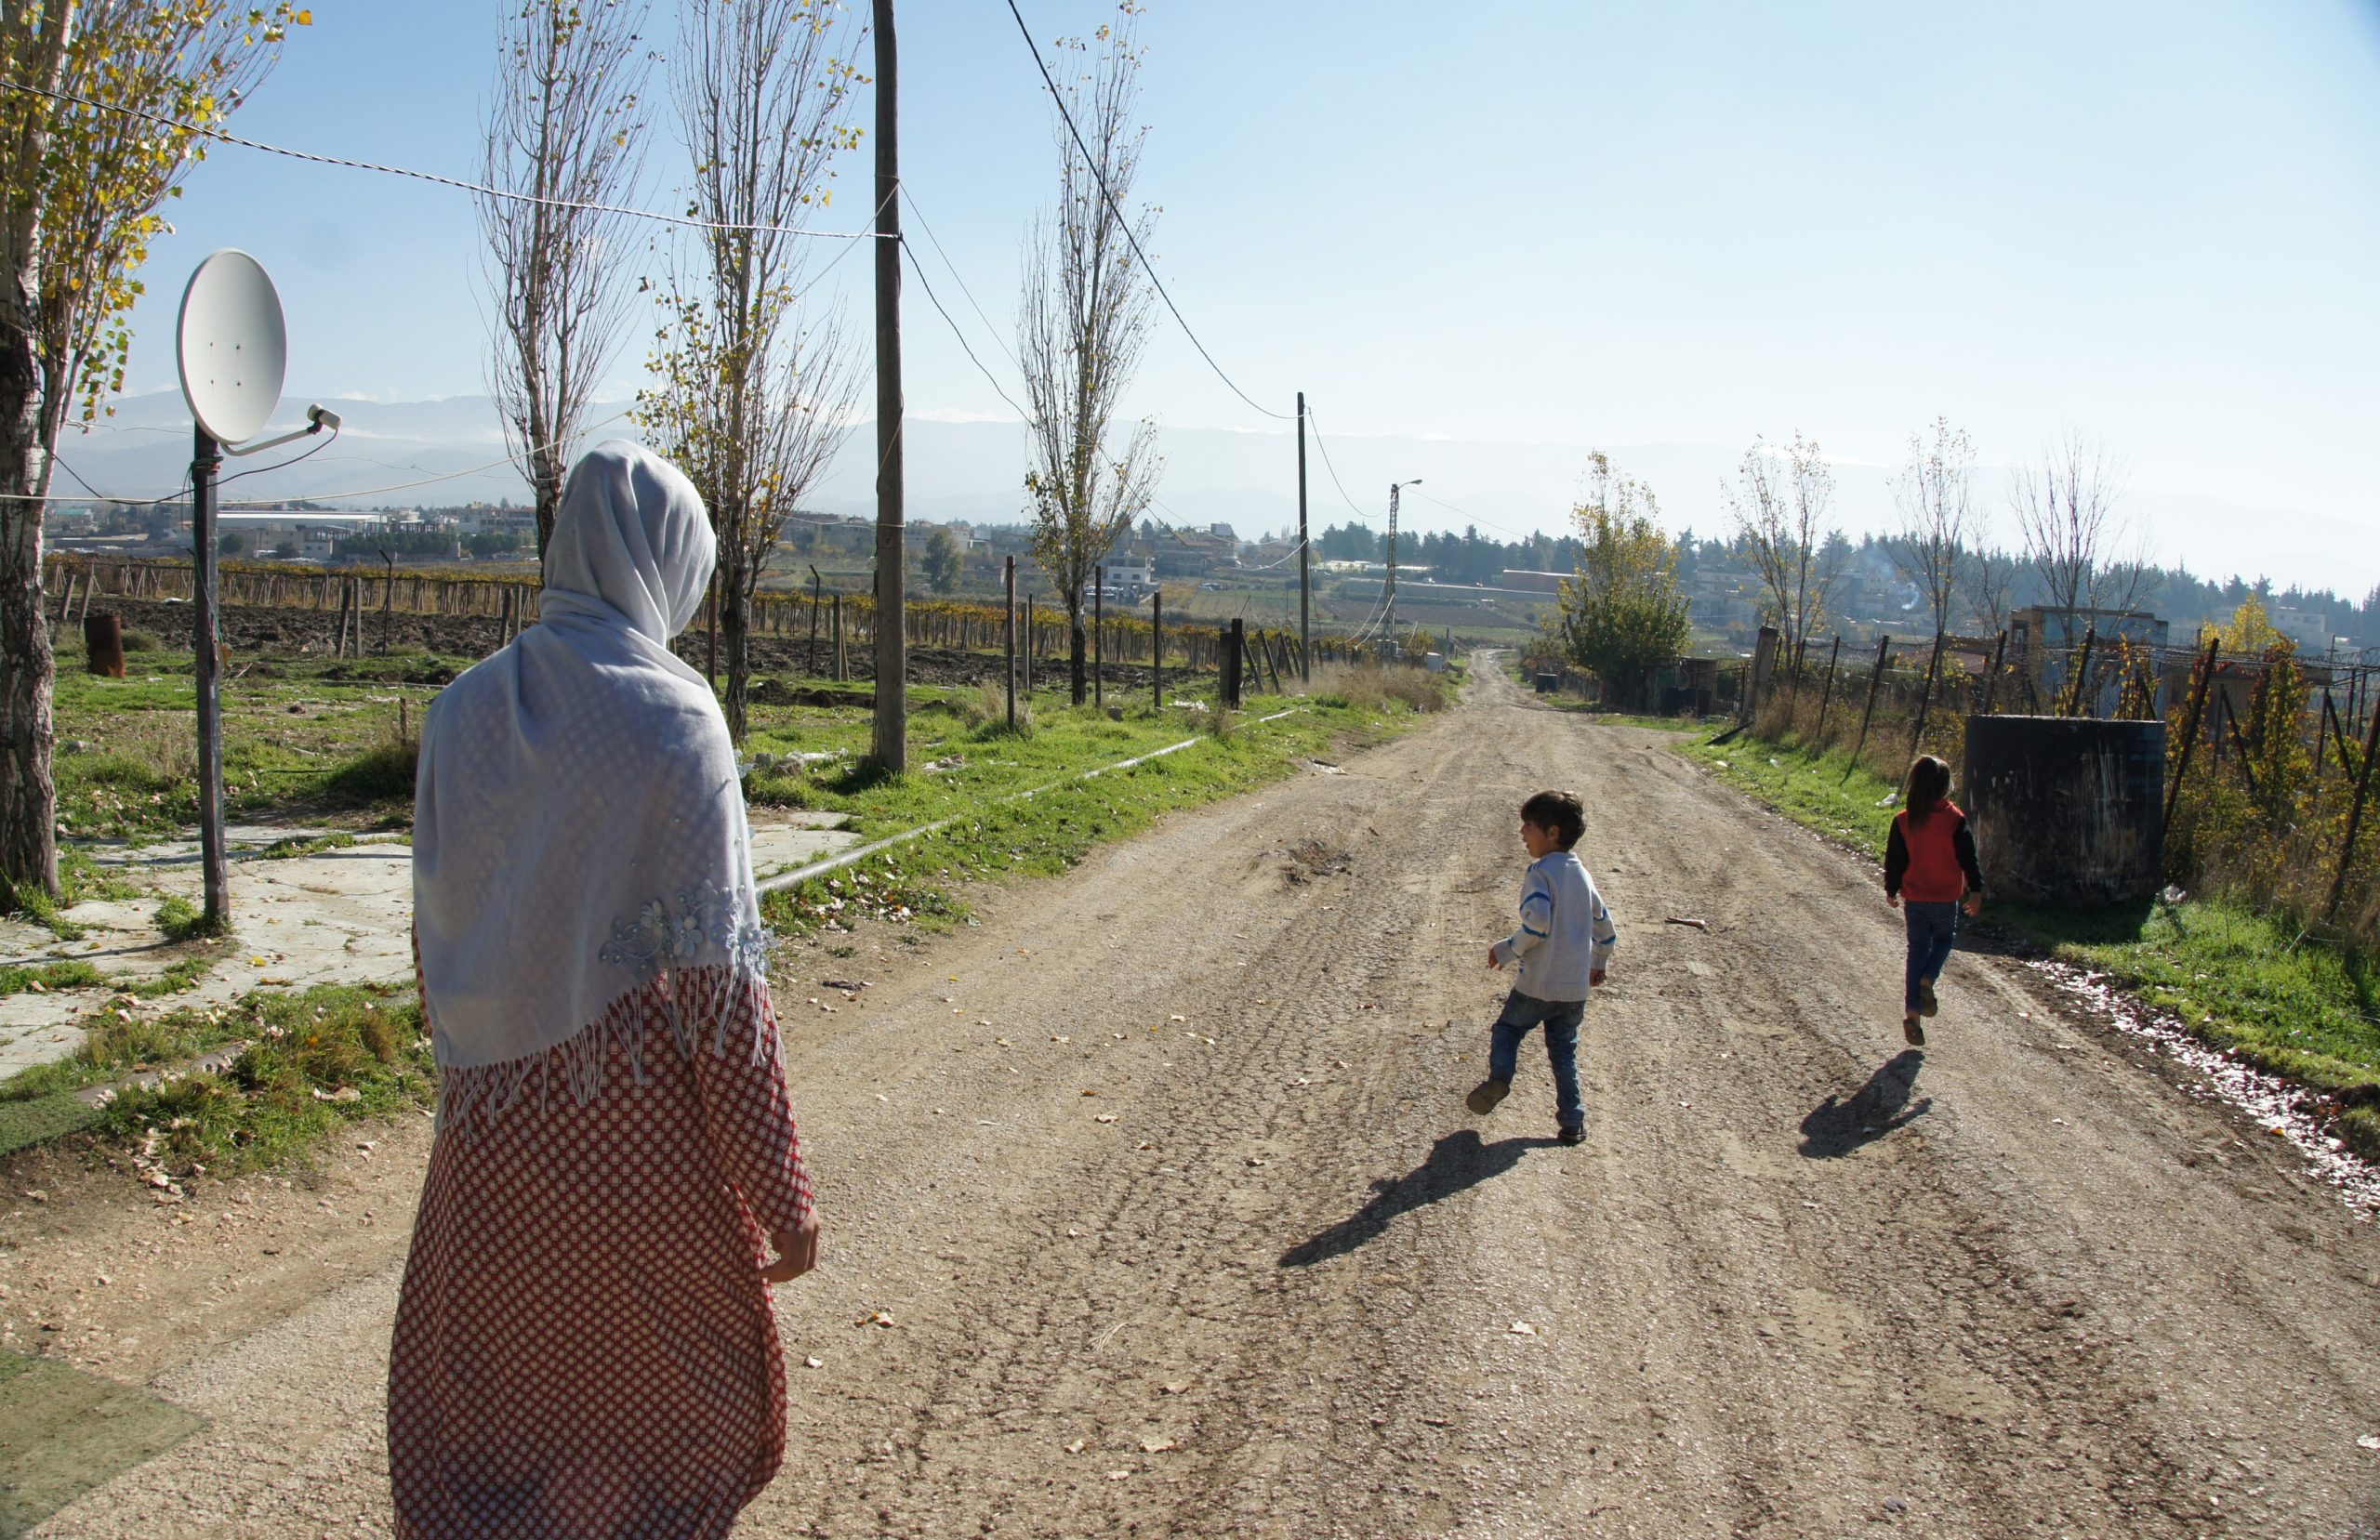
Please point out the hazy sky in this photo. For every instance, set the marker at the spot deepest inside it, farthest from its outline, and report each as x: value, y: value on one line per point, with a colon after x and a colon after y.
x: 1570, y: 223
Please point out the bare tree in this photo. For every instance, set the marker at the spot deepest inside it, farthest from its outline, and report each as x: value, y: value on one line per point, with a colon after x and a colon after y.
x: 84, y: 169
x: 749, y: 397
x: 1932, y: 495
x: 2070, y: 528
x: 566, y: 131
x: 1084, y: 321
x: 1780, y: 504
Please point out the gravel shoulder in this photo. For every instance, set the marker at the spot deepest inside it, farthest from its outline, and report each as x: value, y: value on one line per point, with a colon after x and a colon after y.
x: 1162, y: 1181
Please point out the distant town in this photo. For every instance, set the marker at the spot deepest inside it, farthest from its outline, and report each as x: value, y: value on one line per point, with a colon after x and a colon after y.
x: 1472, y: 587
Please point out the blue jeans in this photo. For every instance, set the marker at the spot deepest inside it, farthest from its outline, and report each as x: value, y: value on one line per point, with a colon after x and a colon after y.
x: 1932, y: 929
x: 1560, y: 1019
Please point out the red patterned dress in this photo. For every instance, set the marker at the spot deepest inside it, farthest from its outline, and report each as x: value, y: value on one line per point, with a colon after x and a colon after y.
x: 584, y: 1345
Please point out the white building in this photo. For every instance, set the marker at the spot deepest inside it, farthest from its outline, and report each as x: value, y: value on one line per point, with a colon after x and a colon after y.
x: 2310, y: 629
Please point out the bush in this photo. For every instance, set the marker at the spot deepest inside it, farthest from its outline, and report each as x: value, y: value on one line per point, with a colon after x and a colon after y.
x: 380, y: 774
x: 142, y: 641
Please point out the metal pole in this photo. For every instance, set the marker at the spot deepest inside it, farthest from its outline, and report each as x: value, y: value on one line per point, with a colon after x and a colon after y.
x: 1875, y: 678
x: 1306, y: 559
x: 206, y: 458
x: 892, y: 746
x: 2354, y: 817
x: 1827, y: 695
x: 1925, y: 696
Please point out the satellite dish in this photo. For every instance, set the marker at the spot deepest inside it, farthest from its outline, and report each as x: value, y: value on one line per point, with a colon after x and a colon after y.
x: 232, y: 346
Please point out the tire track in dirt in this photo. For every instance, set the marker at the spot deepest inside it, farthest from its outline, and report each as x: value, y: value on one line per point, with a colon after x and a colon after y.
x: 2017, y: 1286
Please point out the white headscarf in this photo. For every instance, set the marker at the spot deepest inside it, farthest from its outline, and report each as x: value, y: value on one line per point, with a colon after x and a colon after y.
x: 578, y: 822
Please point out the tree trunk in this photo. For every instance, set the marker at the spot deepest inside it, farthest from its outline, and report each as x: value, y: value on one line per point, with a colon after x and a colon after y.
x: 28, y: 797
x: 735, y: 631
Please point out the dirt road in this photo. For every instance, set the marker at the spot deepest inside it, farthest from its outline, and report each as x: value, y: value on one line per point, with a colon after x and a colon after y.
x: 1163, y: 1181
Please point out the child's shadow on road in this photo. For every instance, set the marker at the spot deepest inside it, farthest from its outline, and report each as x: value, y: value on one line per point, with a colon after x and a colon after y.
x: 1836, y: 1128
x: 1457, y: 1160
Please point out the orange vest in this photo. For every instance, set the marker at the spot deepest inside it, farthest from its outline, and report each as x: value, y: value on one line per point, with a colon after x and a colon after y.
x: 1934, y: 876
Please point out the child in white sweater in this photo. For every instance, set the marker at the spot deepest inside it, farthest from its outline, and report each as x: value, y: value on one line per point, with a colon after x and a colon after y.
x: 1558, y: 955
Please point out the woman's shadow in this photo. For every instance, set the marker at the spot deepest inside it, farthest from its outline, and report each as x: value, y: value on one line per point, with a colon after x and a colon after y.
x: 1457, y: 1160
x: 1837, y: 1126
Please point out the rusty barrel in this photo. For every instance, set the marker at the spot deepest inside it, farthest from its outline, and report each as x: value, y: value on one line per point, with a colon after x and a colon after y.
x: 103, y: 645
x: 2067, y: 810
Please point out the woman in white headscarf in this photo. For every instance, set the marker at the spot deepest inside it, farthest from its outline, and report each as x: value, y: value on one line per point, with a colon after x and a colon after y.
x: 585, y: 1344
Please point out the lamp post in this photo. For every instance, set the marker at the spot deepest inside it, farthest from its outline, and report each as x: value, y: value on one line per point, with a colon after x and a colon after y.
x: 1388, y: 599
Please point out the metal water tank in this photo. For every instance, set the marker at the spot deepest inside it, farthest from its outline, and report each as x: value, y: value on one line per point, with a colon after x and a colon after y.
x: 2067, y: 810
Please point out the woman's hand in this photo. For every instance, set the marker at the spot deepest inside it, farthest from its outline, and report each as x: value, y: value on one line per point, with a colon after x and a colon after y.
x: 797, y: 1252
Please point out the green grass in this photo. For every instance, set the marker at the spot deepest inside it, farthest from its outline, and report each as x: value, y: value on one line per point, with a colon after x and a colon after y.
x: 2237, y: 979
x: 315, y: 1061
x: 49, y: 976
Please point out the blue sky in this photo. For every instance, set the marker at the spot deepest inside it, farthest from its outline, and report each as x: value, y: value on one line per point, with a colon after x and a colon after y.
x: 1578, y: 223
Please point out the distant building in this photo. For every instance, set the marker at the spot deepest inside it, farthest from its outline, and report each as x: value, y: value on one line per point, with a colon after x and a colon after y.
x: 1533, y: 583
x: 2309, y: 629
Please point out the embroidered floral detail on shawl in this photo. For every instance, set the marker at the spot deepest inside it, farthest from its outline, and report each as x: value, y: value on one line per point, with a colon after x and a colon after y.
x: 696, y: 962
x: 658, y: 940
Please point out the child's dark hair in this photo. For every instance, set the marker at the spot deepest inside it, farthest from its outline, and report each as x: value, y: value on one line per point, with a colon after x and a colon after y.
x: 1929, y: 782
x: 1557, y: 811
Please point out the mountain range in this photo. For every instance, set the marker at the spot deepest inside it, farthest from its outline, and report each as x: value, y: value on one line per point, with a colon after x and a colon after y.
x: 451, y: 452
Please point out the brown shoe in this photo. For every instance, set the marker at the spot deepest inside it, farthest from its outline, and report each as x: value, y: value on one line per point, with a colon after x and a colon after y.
x: 1911, y: 1032
x: 1484, y: 1096
x: 1926, y: 1003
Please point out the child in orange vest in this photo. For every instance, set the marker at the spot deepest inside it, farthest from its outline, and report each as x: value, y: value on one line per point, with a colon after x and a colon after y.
x: 1929, y: 869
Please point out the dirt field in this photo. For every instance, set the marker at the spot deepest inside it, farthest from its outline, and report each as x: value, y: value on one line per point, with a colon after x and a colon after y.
x: 1798, y: 1282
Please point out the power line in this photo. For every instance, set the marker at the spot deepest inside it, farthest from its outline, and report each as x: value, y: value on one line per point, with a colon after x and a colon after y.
x: 960, y: 279
x: 1327, y: 465
x: 964, y: 345
x: 1124, y: 224
x: 482, y: 188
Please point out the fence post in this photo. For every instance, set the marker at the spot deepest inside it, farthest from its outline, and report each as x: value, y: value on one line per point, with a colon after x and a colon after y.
x: 1231, y: 665
x: 1098, y: 625
x: 2354, y: 818
x: 1827, y: 695
x: 1008, y: 589
x: 1157, y: 648
x: 842, y: 659
x: 2073, y: 706
x: 1875, y: 678
x: 1991, y: 686
x: 1925, y: 696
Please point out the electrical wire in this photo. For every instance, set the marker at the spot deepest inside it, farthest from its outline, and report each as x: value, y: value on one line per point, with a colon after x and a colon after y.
x: 285, y: 464
x: 1126, y: 224
x: 963, y: 344
x: 1325, y: 448
x: 958, y: 278
x: 479, y: 187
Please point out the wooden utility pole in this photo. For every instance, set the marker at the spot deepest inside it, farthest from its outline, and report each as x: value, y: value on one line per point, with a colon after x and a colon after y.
x: 1305, y: 557
x: 892, y: 645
